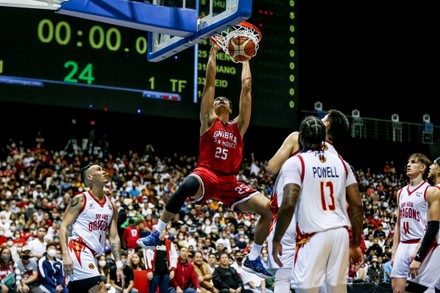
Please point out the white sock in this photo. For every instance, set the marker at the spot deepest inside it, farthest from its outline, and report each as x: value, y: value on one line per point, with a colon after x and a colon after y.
x: 255, y: 251
x: 160, y: 226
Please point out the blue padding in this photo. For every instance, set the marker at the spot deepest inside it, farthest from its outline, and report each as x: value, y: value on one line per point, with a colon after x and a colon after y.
x: 244, y: 12
x: 173, y: 21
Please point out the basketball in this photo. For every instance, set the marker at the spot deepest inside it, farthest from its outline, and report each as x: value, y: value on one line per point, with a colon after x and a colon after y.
x: 241, y: 48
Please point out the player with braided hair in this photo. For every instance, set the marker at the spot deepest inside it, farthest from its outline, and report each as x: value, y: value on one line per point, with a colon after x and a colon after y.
x: 337, y: 126
x: 316, y: 188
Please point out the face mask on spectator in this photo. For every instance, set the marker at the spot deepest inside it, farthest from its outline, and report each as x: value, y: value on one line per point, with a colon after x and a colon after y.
x: 124, y: 261
x: 51, y: 252
x: 130, y: 207
x: 118, y: 204
x: 2, y: 233
x: 6, y: 257
x: 62, y: 207
x: 31, y: 206
x: 9, y: 243
x: 181, y: 237
x: 376, y: 218
x: 102, y: 263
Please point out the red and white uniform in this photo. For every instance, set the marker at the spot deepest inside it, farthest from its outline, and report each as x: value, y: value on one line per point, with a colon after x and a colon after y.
x: 322, y: 220
x: 88, y: 236
x: 413, y: 219
x: 428, y: 274
x: 221, y: 153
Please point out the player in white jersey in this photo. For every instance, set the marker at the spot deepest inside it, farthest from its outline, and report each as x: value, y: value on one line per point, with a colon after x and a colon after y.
x: 337, y: 125
x: 92, y: 216
x: 316, y: 190
x: 411, y: 220
x: 425, y: 268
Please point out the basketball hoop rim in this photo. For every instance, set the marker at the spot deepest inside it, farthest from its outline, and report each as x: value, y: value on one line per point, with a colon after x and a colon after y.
x: 251, y: 26
x: 243, y: 24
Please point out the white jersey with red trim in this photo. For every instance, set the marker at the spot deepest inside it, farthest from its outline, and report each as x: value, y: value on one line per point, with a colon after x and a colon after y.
x: 322, y: 204
x: 413, y: 211
x: 93, y: 222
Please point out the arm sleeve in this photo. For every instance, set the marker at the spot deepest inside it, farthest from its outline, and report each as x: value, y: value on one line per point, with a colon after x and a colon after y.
x: 428, y: 240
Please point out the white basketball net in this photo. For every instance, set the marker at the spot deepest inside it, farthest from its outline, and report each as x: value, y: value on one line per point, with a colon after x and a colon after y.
x: 222, y: 39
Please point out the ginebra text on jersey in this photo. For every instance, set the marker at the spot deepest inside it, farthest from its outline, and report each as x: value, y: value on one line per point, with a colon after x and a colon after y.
x: 227, y: 139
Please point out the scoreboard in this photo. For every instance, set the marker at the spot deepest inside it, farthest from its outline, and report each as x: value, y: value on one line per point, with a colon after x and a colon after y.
x: 58, y: 60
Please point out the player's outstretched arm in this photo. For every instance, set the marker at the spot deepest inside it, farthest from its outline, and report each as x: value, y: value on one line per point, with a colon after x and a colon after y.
x: 70, y: 215
x: 207, y: 102
x: 245, y: 106
x: 289, y: 146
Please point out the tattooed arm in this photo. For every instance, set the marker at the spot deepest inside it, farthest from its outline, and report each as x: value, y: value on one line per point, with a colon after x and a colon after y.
x: 115, y: 244
x: 69, y: 217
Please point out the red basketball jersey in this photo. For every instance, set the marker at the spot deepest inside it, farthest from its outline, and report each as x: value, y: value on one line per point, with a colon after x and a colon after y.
x: 221, y: 148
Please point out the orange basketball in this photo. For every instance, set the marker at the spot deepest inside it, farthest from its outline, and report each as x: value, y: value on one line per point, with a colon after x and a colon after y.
x: 241, y: 48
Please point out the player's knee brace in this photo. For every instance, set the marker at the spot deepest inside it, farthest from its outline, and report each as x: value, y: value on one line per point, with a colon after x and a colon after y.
x: 187, y: 188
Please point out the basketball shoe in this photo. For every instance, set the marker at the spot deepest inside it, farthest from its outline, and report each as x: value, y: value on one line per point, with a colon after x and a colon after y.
x: 256, y: 267
x: 150, y: 241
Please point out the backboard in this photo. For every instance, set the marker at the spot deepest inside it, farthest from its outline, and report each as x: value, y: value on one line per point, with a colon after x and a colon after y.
x: 214, y: 16
x: 172, y: 25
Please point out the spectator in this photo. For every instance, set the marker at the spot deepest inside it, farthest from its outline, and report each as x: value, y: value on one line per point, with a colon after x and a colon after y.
x: 51, y: 271
x: 128, y: 277
x: 131, y: 235
x: 212, y: 261
x: 7, y: 268
x: 104, y: 270
x: 225, y: 241
x: 185, y: 279
x: 29, y: 274
x: 135, y: 260
x: 387, y: 271
x: 375, y: 272
x: 38, y: 245
x: 204, y: 273
x: 226, y: 278
x: 251, y: 281
x: 161, y: 264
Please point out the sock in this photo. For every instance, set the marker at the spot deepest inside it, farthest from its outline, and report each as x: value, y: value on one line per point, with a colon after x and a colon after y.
x: 255, y: 251
x: 160, y: 226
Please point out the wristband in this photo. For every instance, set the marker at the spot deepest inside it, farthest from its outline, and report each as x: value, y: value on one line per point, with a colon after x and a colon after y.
x: 119, y: 264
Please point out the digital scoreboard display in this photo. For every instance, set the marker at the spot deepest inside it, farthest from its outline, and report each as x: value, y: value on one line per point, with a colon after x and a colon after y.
x: 52, y: 59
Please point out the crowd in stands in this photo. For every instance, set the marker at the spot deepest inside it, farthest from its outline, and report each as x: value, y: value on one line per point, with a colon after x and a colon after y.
x: 37, y: 184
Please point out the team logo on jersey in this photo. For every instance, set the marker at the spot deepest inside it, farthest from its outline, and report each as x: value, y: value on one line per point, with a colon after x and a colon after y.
x: 418, y: 194
x: 110, y: 206
x: 91, y: 205
x: 91, y: 266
